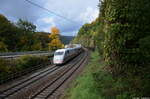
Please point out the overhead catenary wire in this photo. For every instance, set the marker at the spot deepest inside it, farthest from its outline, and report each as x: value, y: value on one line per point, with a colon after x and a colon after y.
x: 63, y: 17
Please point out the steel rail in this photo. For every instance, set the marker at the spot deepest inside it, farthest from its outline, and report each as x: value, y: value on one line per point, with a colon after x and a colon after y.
x: 26, y: 82
x: 9, y: 91
x: 44, y: 93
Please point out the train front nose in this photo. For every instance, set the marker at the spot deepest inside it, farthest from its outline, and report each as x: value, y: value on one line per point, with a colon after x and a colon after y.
x: 58, y: 60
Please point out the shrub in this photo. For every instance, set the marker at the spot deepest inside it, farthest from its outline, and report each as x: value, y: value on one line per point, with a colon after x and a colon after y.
x: 5, y: 68
x: 30, y: 61
x: 9, y: 67
x: 126, y: 46
x: 3, y: 47
x: 126, y: 34
x: 110, y: 87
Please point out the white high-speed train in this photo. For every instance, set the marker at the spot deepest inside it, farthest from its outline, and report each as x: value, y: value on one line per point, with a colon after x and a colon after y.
x: 63, y: 55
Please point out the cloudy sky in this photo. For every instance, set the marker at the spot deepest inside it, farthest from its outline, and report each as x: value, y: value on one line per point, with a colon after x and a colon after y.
x: 78, y: 11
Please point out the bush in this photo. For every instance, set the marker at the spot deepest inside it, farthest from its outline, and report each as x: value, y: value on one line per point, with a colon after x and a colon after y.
x: 30, y: 61
x: 3, y: 47
x: 112, y: 88
x: 8, y: 67
x: 5, y: 68
x: 126, y: 48
x: 122, y: 87
x: 84, y: 86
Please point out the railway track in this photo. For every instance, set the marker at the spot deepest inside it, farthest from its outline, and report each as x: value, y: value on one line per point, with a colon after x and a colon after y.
x: 14, y: 55
x: 41, y: 79
x: 56, y: 83
x: 25, y: 82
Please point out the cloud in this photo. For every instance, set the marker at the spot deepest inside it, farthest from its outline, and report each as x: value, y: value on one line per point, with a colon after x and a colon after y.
x: 71, y: 33
x: 19, y: 9
x: 71, y: 8
x: 80, y: 11
x: 90, y: 15
x: 48, y: 20
x: 45, y: 23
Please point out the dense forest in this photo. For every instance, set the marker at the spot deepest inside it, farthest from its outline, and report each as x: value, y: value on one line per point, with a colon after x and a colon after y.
x: 121, y: 34
x: 22, y: 36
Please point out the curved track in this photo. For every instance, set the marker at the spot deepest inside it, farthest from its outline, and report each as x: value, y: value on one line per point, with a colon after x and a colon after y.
x: 16, y: 87
x: 63, y: 73
x: 51, y: 87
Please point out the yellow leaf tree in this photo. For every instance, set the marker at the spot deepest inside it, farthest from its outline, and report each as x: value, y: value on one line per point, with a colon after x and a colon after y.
x: 55, y: 39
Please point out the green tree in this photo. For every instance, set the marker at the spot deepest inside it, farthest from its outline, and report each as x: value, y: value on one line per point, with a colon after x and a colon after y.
x: 21, y: 36
x: 26, y: 26
x: 3, y: 47
x: 8, y: 33
x: 87, y: 35
x: 126, y: 33
x: 26, y: 39
x: 43, y: 39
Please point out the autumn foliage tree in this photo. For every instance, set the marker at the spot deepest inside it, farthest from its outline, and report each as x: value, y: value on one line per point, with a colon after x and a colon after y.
x: 55, y: 42
x: 23, y: 36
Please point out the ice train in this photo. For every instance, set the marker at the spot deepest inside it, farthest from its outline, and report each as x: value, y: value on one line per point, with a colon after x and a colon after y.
x: 61, y: 56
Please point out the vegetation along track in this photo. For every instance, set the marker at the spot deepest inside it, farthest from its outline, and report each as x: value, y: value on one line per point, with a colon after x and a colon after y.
x: 56, y: 83
x: 9, y: 92
x: 26, y: 82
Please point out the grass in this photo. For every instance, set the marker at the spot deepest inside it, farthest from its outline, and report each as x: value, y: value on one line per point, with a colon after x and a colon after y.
x: 96, y: 82
x: 84, y: 86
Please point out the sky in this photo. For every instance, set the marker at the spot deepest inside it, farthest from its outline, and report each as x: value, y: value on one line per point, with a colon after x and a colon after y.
x: 78, y: 11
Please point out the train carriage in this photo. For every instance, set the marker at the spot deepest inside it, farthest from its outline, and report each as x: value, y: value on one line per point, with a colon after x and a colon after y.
x: 63, y: 55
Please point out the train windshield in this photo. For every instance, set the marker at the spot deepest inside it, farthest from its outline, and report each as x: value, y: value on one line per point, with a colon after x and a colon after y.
x: 59, y: 53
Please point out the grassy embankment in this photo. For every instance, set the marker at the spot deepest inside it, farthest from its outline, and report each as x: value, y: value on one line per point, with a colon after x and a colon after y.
x: 8, y: 67
x: 84, y: 86
x: 97, y: 83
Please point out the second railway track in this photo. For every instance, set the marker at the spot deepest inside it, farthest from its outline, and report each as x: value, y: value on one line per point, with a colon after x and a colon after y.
x: 51, y: 87
x: 25, y: 82
x: 16, y: 91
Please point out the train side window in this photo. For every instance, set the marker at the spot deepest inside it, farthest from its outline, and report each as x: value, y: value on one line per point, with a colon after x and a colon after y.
x: 67, y: 52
